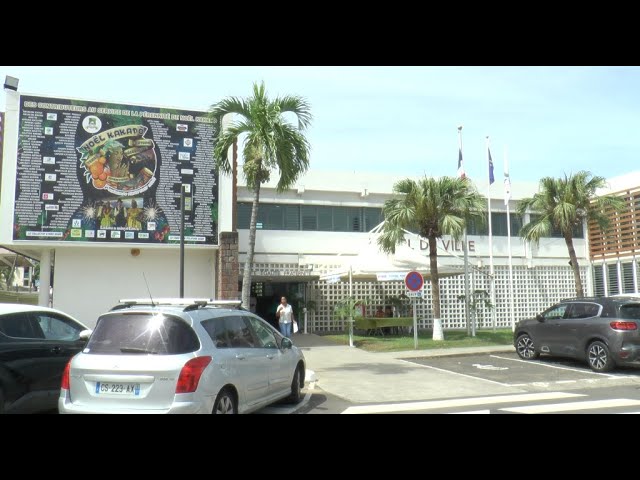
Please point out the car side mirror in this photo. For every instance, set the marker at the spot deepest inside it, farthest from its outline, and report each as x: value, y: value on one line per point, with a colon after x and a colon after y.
x: 286, y: 343
x: 85, y: 334
x: 539, y: 318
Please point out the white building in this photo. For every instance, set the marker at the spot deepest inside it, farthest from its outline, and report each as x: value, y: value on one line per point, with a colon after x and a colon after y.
x: 318, y: 226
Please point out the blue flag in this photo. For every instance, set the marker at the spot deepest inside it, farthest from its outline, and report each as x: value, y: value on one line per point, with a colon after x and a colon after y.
x: 491, y: 177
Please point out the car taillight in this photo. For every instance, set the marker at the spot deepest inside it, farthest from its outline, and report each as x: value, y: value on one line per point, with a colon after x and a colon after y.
x: 624, y: 325
x: 191, y: 373
x: 64, y: 384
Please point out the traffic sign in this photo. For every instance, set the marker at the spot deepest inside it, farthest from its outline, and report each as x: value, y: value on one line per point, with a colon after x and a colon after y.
x: 414, y: 281
x: 417, y: 294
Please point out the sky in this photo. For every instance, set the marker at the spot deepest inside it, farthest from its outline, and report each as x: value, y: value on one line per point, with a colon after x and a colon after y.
x: 551, y: 121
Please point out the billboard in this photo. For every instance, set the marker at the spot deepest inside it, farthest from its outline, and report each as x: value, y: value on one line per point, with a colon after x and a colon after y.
x: 103, y: 172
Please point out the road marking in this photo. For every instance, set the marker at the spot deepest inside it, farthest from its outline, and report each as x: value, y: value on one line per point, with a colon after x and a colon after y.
x: 488, y: 367
x: 458, y: 402
x: 565, y: 381
x: 530, y: 362
x: 472, y: 412
x: 628, y: 413
x: 574, y: 406
x: 456, y: 373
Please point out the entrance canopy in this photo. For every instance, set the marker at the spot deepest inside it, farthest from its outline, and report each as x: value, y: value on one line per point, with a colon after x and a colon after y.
x: 371, y: 264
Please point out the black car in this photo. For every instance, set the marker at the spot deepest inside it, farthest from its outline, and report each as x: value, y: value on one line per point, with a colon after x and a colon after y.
x: 601, y: 330
x: 35, y: 345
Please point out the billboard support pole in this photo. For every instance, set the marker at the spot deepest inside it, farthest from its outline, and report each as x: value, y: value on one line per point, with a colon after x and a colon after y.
x: 182, y: 240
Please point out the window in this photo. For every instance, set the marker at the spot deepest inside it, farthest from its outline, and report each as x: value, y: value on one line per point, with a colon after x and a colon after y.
x: 272, y: 216
x: 309, y: 218
x: 56, y: 328
x: 266, y: 338
x: 612, y: 274
x: 217, y: 332
x: 20, y: 325
x: 499, y: 224
x: 555, y: 313
x: 583, y: 310
x: 239, y: 333
x: 556, y: 233
x: 372, y: 218
x: 630, y: 311
x: 598, y: 280
x: 144, y: 333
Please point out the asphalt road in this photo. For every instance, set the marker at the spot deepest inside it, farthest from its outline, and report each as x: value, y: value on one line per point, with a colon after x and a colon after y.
x: 548, y: 385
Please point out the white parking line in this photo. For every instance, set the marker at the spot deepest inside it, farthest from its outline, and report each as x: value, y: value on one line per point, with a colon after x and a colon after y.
x: 456, y: 373
x: 530, y: 362
x: 472, y: 412
x: 458, y: 402
x: 574, y: 406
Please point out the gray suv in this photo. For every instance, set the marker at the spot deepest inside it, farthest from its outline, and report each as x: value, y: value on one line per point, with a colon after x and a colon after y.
x: 602, y: 331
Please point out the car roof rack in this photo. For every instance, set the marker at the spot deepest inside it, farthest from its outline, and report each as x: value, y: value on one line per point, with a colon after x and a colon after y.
x: 188, y: 303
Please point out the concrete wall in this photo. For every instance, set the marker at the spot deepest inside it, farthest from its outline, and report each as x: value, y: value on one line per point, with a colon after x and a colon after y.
x: 89, y: 281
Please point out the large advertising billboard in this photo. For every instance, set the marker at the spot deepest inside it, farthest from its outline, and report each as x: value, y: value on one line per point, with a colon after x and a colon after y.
x: 103, y: 172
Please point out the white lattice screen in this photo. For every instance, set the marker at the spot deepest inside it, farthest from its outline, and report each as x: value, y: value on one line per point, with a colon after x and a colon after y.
x: 534, y: 290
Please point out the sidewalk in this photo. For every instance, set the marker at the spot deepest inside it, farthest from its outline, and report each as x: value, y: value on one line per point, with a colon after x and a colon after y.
x: 364, y: 377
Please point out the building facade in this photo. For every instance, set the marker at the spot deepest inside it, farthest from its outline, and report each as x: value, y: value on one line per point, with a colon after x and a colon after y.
x: 322, y: 223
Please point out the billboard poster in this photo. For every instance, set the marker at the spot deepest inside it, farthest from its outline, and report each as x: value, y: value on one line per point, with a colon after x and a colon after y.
x: 103, y: 172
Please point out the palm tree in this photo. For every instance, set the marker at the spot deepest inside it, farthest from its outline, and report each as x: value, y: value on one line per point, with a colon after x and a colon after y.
x: 270, y: 143
x: 564, y: 204
x: 432, y: 208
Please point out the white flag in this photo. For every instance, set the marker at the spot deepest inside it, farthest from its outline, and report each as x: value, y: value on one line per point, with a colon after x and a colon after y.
x: 507, y: 182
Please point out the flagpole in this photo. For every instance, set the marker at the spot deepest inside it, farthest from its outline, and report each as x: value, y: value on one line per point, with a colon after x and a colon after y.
x: 507, y: 197
x: 492, y: 283
x: 464, y: 245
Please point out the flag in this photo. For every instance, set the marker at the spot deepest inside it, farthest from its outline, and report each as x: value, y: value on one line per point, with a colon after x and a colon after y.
x: 491, y: 177
x: 461, y: 173
x: 507, y: 183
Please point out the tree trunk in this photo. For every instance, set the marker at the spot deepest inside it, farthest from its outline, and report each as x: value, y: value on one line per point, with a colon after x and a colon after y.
x: 574, y: 265
x: 435, y: 288
x: 248, y: 264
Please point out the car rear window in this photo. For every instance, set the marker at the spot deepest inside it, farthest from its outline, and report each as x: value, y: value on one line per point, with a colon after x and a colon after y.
x: 630, y: 311
x: 152, y: 333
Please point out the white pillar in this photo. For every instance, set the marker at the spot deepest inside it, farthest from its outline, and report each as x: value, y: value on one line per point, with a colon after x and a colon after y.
x: 45, y: 278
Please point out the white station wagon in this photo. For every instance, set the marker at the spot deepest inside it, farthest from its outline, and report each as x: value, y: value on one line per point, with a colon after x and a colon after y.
x: 181, y: 356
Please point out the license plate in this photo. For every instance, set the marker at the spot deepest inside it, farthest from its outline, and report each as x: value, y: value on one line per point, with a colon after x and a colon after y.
x: 126, y: 389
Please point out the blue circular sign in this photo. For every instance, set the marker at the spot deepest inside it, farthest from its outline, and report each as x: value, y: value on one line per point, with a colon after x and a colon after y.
x: 414, y: 281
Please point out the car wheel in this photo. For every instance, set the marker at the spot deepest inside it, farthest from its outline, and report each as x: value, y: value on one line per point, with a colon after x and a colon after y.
x: 599, y: 357
x: 525, y: 348
x: 296, y: 387
x: 225, y: 403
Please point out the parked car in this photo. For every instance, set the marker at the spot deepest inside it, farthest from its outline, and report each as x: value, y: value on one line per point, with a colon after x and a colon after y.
x: 602, y: 331
x: 35, y: 345
x: 181, y: 356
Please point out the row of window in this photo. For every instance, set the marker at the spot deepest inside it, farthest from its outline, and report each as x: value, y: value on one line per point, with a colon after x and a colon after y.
x: 274, y: 216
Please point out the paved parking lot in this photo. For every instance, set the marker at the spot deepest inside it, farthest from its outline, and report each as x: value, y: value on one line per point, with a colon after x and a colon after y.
x: 507, y: 369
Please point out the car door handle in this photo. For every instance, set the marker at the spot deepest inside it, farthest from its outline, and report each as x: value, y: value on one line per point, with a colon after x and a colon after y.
x: 240, y: 357
x: 56, y: 350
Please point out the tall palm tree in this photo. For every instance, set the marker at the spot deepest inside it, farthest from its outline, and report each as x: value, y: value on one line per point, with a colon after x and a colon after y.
x: 270, y: 143
x: 564, y: 204
x: 432, y: 208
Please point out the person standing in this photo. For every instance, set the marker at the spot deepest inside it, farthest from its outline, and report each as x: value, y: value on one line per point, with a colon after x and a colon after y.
x: 284, y: 313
